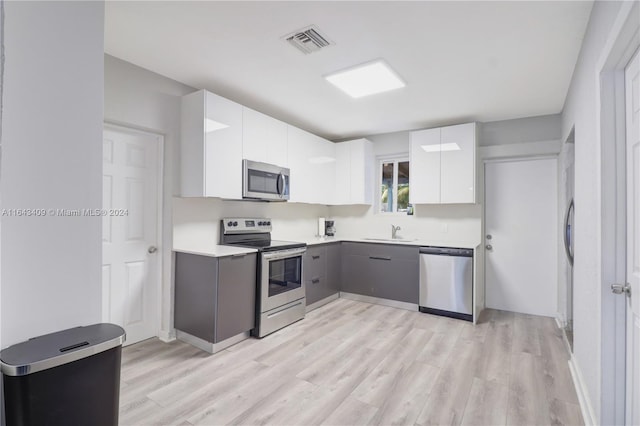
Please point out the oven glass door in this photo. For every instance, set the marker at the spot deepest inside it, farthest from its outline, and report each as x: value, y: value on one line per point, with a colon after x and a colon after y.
x: 281, y: 279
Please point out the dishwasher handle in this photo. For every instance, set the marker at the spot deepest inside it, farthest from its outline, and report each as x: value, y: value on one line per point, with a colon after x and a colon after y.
x: 447, y: 251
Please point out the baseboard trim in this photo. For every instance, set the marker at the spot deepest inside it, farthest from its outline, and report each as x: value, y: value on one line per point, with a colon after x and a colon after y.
x: 167, y: 336
x: 322, y: 302
x: 212, y: 348
x: 379, y: 301
x: 559, y: 321
x: 583, y: 396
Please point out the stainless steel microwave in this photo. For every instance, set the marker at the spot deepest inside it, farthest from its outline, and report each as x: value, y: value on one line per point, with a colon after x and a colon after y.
x: 262, y: 181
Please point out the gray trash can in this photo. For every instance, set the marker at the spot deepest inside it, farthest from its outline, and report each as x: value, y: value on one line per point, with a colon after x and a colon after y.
x: 71, y: 377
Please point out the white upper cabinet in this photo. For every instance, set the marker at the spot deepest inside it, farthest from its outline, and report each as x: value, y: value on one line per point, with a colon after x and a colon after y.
x: 443, y: 165
x: 354, y: 172
x: 211, y: 146
x: 342, y: 193
x: 458, y: 164
x: 424, y: 167
x: 312, y: 163
x: 264, y: 138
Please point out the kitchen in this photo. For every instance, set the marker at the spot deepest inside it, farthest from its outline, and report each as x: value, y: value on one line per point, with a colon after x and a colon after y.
x: 150, y: 102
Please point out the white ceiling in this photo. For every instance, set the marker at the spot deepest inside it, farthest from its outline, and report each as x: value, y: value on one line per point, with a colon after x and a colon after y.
x: 462, y: 61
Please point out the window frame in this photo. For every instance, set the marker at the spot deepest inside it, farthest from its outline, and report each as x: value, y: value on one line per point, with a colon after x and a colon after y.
x: 395, y: 159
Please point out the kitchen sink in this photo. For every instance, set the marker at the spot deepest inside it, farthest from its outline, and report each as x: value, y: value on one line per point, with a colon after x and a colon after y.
x: 397, y: 240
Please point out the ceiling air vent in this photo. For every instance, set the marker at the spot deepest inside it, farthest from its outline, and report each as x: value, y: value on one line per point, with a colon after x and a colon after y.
x: 308, y: 40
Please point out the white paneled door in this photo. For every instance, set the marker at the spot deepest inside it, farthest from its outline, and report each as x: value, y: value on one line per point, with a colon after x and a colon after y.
x: 130, y: 258
x: 632, y: 89
x: 521, y: 239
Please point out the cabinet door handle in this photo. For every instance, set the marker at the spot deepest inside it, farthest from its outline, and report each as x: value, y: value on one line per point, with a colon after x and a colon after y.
x: 315, y: 257
x: 315, y: 280
x: 380, y: 257
x: 237, y: 256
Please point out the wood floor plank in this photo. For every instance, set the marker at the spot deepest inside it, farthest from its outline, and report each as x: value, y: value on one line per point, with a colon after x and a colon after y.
x: 350, y: 362
x: 565, y: 413
x: 424, y: 321
x: 555, y: 358
x: 495, y: 353
x: 289, y: 401
x: 379, y: 384
x: 528, y: 402
x: 487, y: 404
x: 351, y: 412
x: 526, y: 334
x: 438, y: 348
x: 448, y: 398
x: 408, y: 396
x: 137, y: 413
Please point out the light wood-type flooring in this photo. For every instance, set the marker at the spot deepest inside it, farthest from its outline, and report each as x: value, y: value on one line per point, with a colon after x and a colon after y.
x: 352, y: 363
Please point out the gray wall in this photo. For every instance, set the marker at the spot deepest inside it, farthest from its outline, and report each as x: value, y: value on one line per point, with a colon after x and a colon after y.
x: 522, y: 130
x: 51, y: 159
x: 543, y: 128
x: 140, y: 99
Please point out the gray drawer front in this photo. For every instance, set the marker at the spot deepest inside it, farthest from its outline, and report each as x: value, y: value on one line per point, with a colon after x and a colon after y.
x: 315, y: 262
x: 317, y: 288
x: 381, y: 250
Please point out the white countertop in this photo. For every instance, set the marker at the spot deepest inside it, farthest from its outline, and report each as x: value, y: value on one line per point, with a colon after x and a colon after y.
x: 406, y: 242
x: 217, y: 250
x: 214, y: 250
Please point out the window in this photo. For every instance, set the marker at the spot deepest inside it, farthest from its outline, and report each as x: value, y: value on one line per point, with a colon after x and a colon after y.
x: 394, y: 185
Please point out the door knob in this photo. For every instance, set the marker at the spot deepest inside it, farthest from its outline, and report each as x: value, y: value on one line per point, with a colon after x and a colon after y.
x: 621, y: 288
x: 152, y: 249
x: 489, y: 247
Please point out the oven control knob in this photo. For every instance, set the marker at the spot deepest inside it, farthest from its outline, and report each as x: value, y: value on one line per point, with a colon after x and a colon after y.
x: 260, y: 224
x: 235, y: 223
x: 229, y: 223
x: 268, y: 223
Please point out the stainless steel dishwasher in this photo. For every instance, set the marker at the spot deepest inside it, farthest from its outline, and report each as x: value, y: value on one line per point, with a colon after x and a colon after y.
x: 446, y: 282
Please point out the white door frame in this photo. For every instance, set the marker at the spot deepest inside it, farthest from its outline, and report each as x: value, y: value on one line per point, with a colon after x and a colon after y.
x: 623, y: 41
x: 159, y: 214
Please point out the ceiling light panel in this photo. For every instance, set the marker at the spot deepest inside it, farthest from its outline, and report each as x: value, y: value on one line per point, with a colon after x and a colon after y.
x: 366, y: 79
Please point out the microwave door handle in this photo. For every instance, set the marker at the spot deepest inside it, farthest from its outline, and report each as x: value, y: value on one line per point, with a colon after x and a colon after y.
x: 281, y: 184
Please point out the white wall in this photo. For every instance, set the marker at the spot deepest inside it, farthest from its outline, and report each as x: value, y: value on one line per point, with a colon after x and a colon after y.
x: 451, y: 223
x: 51, y: 159
x: 581, y: 111
x: 198, y: 219
x: 138, y: 98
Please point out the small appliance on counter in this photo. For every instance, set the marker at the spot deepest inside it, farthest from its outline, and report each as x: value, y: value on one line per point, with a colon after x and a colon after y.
x: 321, y: 227
x: 280, y: 290
x: 329, y: 228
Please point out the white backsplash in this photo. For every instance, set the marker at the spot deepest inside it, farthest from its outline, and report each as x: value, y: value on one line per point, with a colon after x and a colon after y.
x: 440, y: 223
x: 198, y: 219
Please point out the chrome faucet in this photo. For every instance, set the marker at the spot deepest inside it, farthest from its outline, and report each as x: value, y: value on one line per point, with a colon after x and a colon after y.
x: 394, y: 231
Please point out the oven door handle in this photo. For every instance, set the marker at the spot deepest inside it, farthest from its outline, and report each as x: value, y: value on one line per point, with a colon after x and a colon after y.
x: 283, y: 254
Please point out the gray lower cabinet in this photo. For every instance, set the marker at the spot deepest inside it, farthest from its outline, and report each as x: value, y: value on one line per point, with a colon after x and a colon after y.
x: 381, y: 270
x: 321, y: 272
x: 215, y: 296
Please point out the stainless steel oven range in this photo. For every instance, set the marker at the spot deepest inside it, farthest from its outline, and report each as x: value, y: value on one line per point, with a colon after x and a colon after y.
x: 280, y: 297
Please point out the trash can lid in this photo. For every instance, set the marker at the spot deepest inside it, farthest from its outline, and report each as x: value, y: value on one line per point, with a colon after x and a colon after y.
x: 55, y: 349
